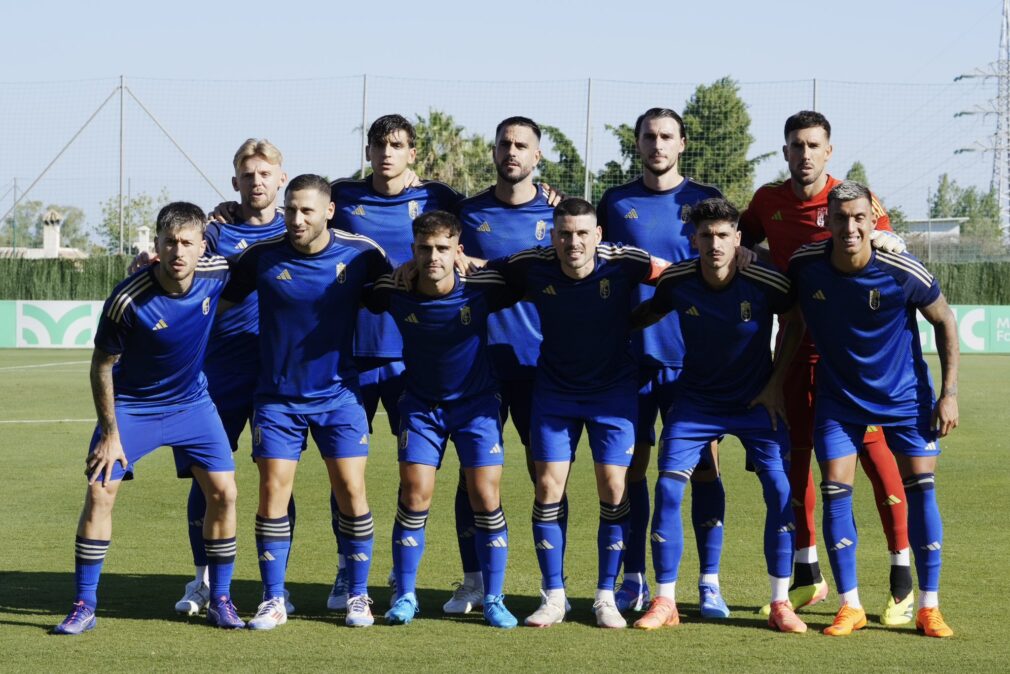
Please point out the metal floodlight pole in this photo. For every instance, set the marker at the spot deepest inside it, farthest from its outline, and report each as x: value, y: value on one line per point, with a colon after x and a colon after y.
x: 587, y: 187
x: 814, y: 104
x: 122, y: 87
x: 364, y: 121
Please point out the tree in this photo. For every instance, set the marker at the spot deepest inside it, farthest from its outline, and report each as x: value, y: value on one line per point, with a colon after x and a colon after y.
x: 568, y: 173
x: 981, y: 208
x: 139, y: 209
x: 616, y: 172
x: 858, y: 173
x: 26, y: 222
x: 446, y: 153
x: 718, y: 138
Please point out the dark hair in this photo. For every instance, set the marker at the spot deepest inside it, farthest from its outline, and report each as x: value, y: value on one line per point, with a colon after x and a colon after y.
x: 517, y: 121
x: 573, y: 207
x: 382, y: 127
x: 309, y: 181
x: 653, y: 113
x: 434, y: 222
x: 849, y: 190
x: 807, y: 119
x: 714, y: 209
x: 179, y: 214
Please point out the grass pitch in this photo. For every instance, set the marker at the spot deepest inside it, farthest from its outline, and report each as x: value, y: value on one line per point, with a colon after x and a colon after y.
x: 46, y: 418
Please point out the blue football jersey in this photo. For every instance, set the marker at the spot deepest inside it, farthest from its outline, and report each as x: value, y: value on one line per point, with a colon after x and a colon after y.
x: 161, y: 339
x: 864, y: 326
x: 234, y: 341
x: 586, y: 347
x: 445, y: 338
x: 726, y: 331
x: 656, y: 221
x: 386, y: 220
x: 493, y: 229
x: 307, y: 306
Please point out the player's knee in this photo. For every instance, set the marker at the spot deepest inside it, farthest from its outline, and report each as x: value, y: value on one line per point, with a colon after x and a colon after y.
x: 99, y: 501
x: 485, y: 497
x: 223, y: 494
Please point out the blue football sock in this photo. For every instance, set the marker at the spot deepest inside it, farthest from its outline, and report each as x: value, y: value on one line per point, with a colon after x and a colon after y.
x: 610, y: 537
x: 273, y: 542
x: 840, y: 533
x: 408, y: 546
x: 638, y: 530
x: 356, y: 536
x: 196, y: 509
x: 89, y: 555
x: 492, y: 543
x: 465, y: 528
x: 548, y: 541
x: 220, y: 565
x: 780, y: 530
x: 708, y: 511
x: 667, y: 526
x: 925, y: 529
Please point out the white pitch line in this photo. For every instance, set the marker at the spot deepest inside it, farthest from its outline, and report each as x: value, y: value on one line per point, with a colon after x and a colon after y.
x: 45, y: 421
x: 28, y: 367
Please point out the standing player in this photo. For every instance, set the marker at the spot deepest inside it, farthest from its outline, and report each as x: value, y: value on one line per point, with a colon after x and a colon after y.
x: 382, y: 207
x: 790, y: 214
x: 309, y: 284
x: 450, y: 393
x: 651, y: 212
x: 508, y: 217
x: 232, y: 364
x: 726, y: 316
x: 860, y: 305
x: 585, y: 378
x: 149, y: 391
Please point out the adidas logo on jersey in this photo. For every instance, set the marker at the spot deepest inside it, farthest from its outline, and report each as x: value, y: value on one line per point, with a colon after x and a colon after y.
x: 819, y: 295
x: 842, y: 544
x: 267, y: 557
x: 363, y: 440
x: 412, y: 319
x: 408, y: 542
x: 892, y: 500
x: 484, y: 227
x: 619, y: 545
x: 631, y: 215
x: 496, y: 449
x: 693, y: 311
x: 657, y: 538
x: 358, y: 557
x: 160, y: 325
x: 284, y: 276
x: 499, y: 542
x: 778, y: 216
x: 544, y: 545
x: 549, y: 290
x: 241, y: 245
x: 360, y: 210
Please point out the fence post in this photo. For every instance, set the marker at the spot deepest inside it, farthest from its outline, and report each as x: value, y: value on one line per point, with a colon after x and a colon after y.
x: 122, y: 93
x: 587, y: 188
x: 814, y: 107
x: 364, y: 120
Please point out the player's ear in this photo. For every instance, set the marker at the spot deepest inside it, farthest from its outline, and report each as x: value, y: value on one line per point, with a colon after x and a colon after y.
x: 330, y: 210
x: 411, y: 155
x: 828, y: 151
x: 368, y: 152
x: 785, y: 152
x: 234, y: 183
x: 737, y: 237
x: 203, y: 246
x: 283, y: 181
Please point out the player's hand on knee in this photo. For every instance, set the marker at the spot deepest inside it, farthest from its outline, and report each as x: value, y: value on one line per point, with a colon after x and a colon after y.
x: 103, y: 459
x: 945, y: 415
x: 226, y: 213
x: 887, y: 241
x: 142, y: 260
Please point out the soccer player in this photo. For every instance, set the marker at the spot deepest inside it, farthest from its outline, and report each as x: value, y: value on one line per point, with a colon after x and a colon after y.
x: 651, y: 212
x: 506, y: 218
x: 149, y: 391
x: 309, y: 285
x: 381, y: 207
x: 232, y: 364
x: 790, y: 214
x: 450, y: 393
x: 726, y: 316
x: 859, y: 305
x: 585, y: 378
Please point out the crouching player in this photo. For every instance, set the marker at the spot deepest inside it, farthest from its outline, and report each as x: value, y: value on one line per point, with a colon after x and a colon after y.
x: 725, y: 316
x: 860, y: 305
x: 450, y: 394
x: 156, y: 325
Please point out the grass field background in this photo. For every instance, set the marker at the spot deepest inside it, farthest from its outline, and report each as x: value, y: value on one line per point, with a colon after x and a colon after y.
x: 149, y: 561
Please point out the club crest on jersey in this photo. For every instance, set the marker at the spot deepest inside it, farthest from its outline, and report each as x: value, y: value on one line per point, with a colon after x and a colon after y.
x: 822, y: 213
x: 685, y: 213
x: 205, y: 306
x: 604, y: 288
x: 341, y: 272
x: 541, y: 230
x: 874, y: 299
x: 745, y: 314
x: 413, y: 208
x: 464, y: 315
x: 403, y: 439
